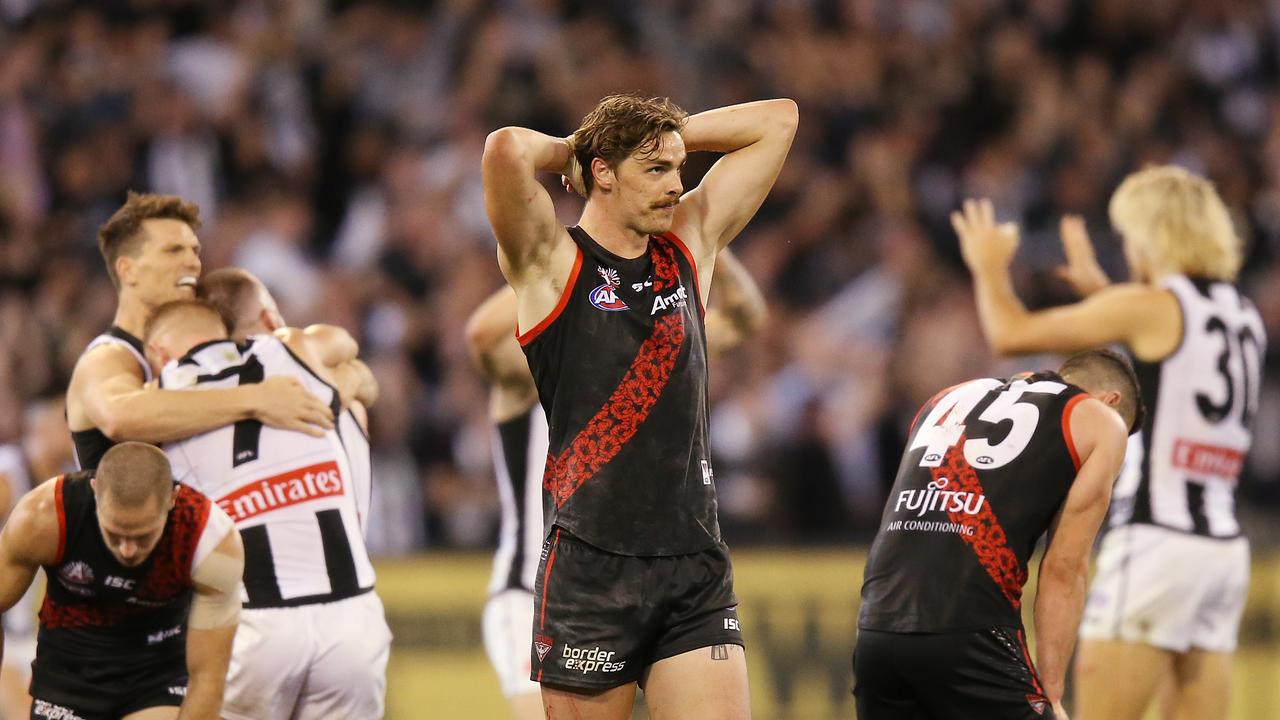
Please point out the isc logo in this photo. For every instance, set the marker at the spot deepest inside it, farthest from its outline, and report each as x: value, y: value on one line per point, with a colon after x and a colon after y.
x: 732, y: 624
x: 119, y: 582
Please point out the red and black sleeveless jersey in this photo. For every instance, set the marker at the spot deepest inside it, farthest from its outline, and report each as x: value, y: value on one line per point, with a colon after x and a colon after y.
x: 988, y: 466
x: 93, y: 604
x: 621, y: 370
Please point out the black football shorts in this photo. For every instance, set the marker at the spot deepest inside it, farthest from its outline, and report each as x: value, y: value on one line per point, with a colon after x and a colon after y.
x: 947, y: 676
x: 66, y: 686
x: 600, y: 619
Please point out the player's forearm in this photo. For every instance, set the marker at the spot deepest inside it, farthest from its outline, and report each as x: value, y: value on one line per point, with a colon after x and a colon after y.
x: 521, y: 149
x: 155, y: 416
x: 735, y: 127
x: 1060, y: 597
x: 1002, y: 314
x: 208, y: 657
x: 204, y: 695
x: 356, y: 382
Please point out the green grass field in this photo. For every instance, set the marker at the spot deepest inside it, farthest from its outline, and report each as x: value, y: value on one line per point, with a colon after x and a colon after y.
x: 798, y: 610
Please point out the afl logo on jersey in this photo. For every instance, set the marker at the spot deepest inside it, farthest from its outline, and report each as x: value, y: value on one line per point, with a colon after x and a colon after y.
x: 75, y: 576
x: 605, y: 297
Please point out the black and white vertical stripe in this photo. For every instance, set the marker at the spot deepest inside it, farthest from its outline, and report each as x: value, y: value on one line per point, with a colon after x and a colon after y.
x: 519, y: 457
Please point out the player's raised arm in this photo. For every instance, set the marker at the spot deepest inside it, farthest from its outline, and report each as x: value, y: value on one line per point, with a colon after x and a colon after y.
x: 107, y: 390
x: 755, y: 138
x: 519, y: 208
x: 1099, y: 436
x: 211, y: 627
x: 28, y: 540
x: 1137, y: 315
x: 736, y: 308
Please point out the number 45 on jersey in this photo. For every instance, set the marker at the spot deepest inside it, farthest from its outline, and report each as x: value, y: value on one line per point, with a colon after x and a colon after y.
x: 946, y: 422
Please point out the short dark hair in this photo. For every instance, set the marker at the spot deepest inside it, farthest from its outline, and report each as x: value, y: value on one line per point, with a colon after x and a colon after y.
x: 131, y: 473
x: 1105, y: 368
x: 120, y: 234
x: 232, y: 292
x: 190, y: 307
x: 619, y: 126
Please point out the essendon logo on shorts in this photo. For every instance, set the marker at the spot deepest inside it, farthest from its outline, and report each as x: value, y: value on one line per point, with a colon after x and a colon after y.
x: 542, y: 644
x: 1038, y: 703
x: 290, y: 488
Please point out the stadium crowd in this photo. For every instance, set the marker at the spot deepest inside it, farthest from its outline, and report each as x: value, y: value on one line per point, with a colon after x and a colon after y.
x: 333, y: 148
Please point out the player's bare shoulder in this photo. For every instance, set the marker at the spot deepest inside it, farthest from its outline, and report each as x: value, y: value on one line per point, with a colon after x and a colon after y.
x: 101, y: 362
x: 31, y: 534
x: 1093, y: 426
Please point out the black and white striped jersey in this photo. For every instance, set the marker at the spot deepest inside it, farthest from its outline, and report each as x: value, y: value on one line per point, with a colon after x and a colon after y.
x: 355, y: 440
x: 519, y: 458
x: 1181, y: 470
x: 91, y: 444
x: 292, y: 496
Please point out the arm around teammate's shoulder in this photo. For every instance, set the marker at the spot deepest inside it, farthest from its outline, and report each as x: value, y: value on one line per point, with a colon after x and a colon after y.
x: 107, y: 391
x: 1099, y: 437
x: 755, y: 138
x: 520, y: 209
x: 211, y: 627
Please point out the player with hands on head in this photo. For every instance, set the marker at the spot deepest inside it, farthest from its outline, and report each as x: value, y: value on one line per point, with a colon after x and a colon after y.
x: 610, y: 313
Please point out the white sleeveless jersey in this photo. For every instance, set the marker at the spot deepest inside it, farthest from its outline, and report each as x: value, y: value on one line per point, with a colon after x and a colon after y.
x: 116, y: 336
x: 20, y: 620
x: 1181, y: 470
x: 519, y: 457
x: 356, y: 442
x: 291, y: 495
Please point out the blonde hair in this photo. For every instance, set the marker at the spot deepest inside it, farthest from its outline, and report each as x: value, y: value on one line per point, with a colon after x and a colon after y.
x: 1177, y: 223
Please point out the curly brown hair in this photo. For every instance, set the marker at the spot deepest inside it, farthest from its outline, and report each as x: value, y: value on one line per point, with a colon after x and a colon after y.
x: 120, y: 234
x: 621, y: 125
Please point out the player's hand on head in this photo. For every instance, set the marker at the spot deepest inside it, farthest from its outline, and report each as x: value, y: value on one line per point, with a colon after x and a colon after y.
x: 984, y: 244
x: 1082, y: 271
x: 283, y: 402
x: 571, y: 175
